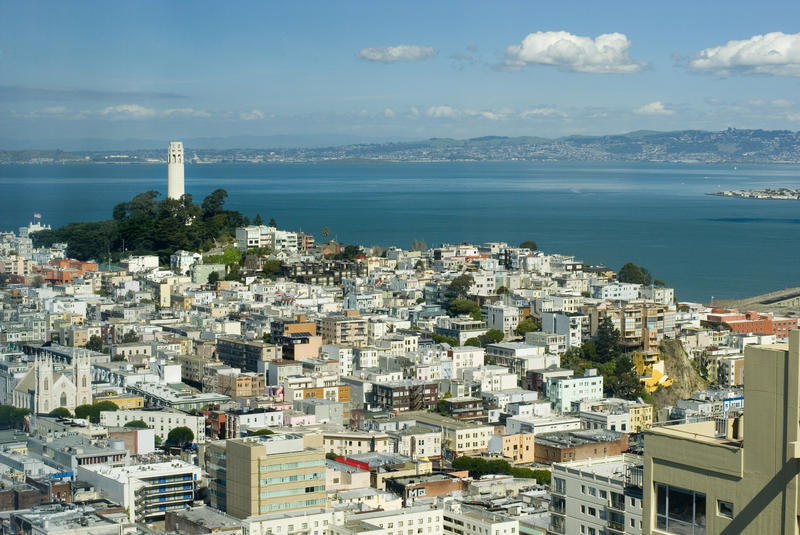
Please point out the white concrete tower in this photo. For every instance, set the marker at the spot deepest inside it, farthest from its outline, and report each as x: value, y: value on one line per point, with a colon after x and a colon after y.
x: 175, y: 170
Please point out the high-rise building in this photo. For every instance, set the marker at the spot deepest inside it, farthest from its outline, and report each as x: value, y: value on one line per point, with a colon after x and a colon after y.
x: 265, y: 475
x: 703, y: 477
x: 175, y: 170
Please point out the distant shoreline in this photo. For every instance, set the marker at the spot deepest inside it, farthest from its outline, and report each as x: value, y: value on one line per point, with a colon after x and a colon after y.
x: 782, y: 194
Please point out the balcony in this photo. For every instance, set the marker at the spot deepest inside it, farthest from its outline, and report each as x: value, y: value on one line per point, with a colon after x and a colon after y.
x: 557, y: 508
x: 558, y: 525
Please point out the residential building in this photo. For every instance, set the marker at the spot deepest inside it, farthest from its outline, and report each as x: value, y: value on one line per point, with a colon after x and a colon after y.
x: 345, y: 330
x: 406, y: 395
x: 597, y: 496
x: 146, y: 491
x: 563, y: 392
x: 162, y: 421
x: 248, y: 355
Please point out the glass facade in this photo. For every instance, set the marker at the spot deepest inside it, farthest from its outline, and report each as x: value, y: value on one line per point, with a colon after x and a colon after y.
x: 680, y: 511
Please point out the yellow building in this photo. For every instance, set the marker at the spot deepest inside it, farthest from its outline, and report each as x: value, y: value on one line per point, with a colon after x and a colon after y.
x: 705, y: 478
x: 641, y: 417
x: 651, y: 370
x: 123, y: 401
x: 517, y: 448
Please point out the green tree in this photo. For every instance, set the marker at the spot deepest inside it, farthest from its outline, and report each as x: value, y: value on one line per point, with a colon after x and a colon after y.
x: 530, y: 244
x: 95, y: 343
x: 260, y: 433
x: 502, y: 290
x: 419, y: 265
x: 273, y: 223
x: 63, y: 412
x: 632, y: 273
x: 213, y: 277
x: 528, y: 325
x: 180, y: 435
x: 271, y: 269
x: 137, y: 424
x: 623, y: 383
x: 331, y: 456
x: 130, y: 337
x: 12, y: 417
x: 439, y: 339
x: 326, y: 232
x: 231, y: 255
x: 266, y: 337
x: 459, y: 287
x: 258, y: 220
x: 457, y: 307
x: 92, y: 412
x: 493, y: 336
x: 473, y: 342
x: 213, y: 203
x: 607, y: 341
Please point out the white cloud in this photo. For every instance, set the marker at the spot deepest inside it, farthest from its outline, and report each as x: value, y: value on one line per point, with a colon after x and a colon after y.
x: 414, y: 111
x: 606, y: 54
x: 251, y: 115
x: 540, y: 112
x: 654, y: 108
x: 492, y: 115
x: 773, y: 53
x: 391, y: 54
x: 129, y: 111
x: 185, y: 112
x: 388, y: 113
x: 442, y: 112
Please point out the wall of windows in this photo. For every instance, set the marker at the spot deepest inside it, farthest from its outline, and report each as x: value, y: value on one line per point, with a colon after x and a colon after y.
x: 680, y: 511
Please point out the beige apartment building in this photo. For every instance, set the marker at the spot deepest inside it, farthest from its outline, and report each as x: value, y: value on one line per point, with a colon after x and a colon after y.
x: 349, y: 330
x: 705, y: 478
x: 271, y: 474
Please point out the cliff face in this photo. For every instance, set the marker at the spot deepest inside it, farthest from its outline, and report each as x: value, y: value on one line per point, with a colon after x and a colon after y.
x: 679, y: 367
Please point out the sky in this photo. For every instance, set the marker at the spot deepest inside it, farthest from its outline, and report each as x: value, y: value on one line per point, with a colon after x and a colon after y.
x: 356, y: 71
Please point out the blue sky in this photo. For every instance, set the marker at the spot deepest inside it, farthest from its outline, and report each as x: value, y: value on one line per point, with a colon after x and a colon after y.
x: 404, y: 70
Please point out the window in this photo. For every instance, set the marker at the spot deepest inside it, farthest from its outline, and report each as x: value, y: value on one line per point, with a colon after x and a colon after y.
x: 592, y: 491
x: 680, y: 510
x: 725, y: 508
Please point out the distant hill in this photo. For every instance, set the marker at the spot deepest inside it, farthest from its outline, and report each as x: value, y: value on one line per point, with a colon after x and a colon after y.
x: 732, y: 145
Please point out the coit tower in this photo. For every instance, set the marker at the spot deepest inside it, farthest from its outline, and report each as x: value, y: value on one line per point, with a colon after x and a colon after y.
x: 175, y: 170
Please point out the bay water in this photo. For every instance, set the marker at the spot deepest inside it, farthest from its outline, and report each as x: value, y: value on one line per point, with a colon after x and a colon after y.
x: 654, y: 214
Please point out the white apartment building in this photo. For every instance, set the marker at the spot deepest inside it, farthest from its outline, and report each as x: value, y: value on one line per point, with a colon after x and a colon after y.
x: 421, y: 520
x: 616, y: 291
x: 137, y: 264
x: 417, y: 442
x: 343, y: 354
x: 146, y: 491
x: 264, y: 236
x: 316, y: 521
x: 355, y: 442
x: 564, y: 391
x: 461, y: 519
x: 597, y: 496
x: 574, y: 327
x: 553, y: 343
x: 660, y: 294
x: 535, y: 425
x: 460, y: 358
x: 501, y: 317
x: 182, y: 261
x: 491, y: 378
x: 161, y: 421
x: 619, y: 420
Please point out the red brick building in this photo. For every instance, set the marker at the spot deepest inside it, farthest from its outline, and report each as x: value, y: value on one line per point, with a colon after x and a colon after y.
x: 753, y: 322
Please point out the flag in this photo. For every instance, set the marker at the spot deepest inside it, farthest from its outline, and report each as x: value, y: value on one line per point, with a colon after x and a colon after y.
x: 37, y: 216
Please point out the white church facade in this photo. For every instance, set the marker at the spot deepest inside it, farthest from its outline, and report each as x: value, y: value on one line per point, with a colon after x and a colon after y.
x: 48, y: 386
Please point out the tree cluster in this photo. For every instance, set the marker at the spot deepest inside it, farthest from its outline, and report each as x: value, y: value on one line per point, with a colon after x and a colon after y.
x: 479, y: 466
x: 492, y: 336
x: 634, y: 274
x: 145, y: 225
x: 92, y: 412
x: 12, y: 417
x: 180, y: 436
x: 605, y: 353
